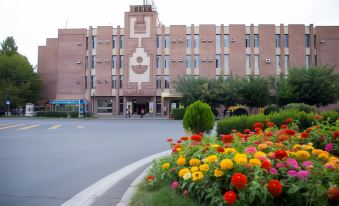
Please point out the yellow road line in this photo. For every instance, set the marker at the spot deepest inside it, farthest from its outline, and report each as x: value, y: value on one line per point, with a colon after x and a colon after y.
x: 11, y: 126
x: 28, y: 127
x: 80, y: 127
x: 55, y: 126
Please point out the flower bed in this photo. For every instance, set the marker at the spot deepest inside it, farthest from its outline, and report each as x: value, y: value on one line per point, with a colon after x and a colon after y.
x: 279, y: 165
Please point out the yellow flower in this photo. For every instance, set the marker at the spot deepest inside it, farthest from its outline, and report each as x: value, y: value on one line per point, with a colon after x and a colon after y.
x: 215, y: 145
x: 302, y: 155
x: 218, y: 172
x: 183, y: 171
x: 181, y: 161
x: 259, y: 154
x: 194, y: 169
x: 204, y: 167
x: 255, y: 162
x: 226, y: 164
x: 307, y: 147
x: 195, y: 162
x: 197, y: 176
x: 211, y: 159
x: 165, y: 166
x: 240, y: 159
x: 316, y: 152
x: 262, y: 146
x: 324, y: 155
x: 297, y: 146
x: 187, y: 176
x: 230, y: 150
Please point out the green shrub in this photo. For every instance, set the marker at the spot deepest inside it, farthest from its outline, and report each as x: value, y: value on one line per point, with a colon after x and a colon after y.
x: 301, y: 107
x: 73, y: 114
x: 55, y: 114
x: 40, y: 114
x: 331, y: 116
x: 198, y: 118
x: 271, y: 109
x: 178, y: 113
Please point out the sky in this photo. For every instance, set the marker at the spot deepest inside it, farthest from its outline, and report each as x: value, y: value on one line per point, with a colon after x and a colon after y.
x: 30, y: 22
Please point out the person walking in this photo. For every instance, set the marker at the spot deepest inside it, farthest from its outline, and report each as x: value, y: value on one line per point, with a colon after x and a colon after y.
x: 142, y: 112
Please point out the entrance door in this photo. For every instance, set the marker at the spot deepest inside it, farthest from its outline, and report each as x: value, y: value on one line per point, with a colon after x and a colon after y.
x: 139, y: 105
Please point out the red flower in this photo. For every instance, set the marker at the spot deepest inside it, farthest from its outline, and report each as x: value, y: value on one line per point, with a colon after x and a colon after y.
x: 335, y: 135
x: 280, y: 154
x: 247, y: 130
x: 239, y: 180
x: 333, y: 194
x: 288, y: 120
x: 258, y: 130
x: 317, y: 117
x: 258, y: 125
x: 220, y: 149
x: 290, y: 132
x: 274, y: 187
x: 226, y: 138
x: 184, y: 138
x: 270, y: 124
x: 150, y: 178
x: 283, y: 126
x: 169, y: 140
x: 196, y: 138
x: 266, y: 165
x: 230, y: 197
x: 179, y: 141
x: 304, y: 135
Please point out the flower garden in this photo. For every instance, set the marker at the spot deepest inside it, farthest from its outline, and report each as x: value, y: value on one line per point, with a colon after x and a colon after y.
x: 267, y: 164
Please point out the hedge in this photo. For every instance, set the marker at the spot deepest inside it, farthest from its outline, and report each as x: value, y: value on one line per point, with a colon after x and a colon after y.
x: 178, y: 113
x: 51, y: 114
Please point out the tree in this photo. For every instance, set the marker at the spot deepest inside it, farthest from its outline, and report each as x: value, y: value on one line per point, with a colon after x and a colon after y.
x: 314, y: 85
x: 8, y: 47
x: 284, y: 94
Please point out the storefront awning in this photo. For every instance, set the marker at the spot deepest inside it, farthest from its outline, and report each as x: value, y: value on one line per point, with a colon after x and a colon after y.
x: 68, y: 101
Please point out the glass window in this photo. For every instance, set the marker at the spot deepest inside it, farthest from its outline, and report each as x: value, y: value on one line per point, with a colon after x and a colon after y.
x: 158, y: 41
x: 158, y: 83
x: 226, y: 61
x: 114, y: 81
x: 94, y: 42
x: 121, y: 41
x: 158, y: 108
x: 188, y: 41
x: 256, y: 40
x: 93, y: 81
x: 85, y: 82
x: 104, y: 106
x: 307, y: 39
x: 287, y: 62
x: 277, y: 61
x: 188, y: 77
x: 286, y: 40
x: 248, y: 41
x: 121, y: 81
x: 217, y: 77
x: 277, y: 41
x: 256, y: 61
x: 196, y: 41
x: 167, y: 41
x: 159, y: 61
x: 94, y: 61
x: 188, y: 61
x: 226, y: 40
x: 167, y: 61
x: 217, y: 41
x: 121, y: 105
x: 196, y: 61
x: 217, y: 61
x: 121, y: 61
x: 196, y: 77
x: 166, y: 82
x: 248, y: 61
x: 114, y: 41
x: 114, y: 62
x: 86, y: 43
x: 86, y: 62
x: 308, y: 61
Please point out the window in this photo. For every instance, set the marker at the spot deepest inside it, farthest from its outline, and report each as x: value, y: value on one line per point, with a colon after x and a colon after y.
x: 226, y: 61
x: 85, y: 82
x: 158, y: 83
x: 158, y: 41
x: 167, y: 61
x: 114, y: 42
x: 277, y: 61
x: 226, y: 40
x: 114, y: 81
x: 121, y: 41
x: 248, y: 41
x: 256, y: 40
x: 188, y: 61
x: 167, y: 41
x: 86, y: 62
x: 217, y: 41
x: 217, y: 77
x: 308, y: 61
x: 188, y: 41
x: 277, y: 41
x: 286, y: 40
x: 94, y: 61
x: 196, y: 61
x: 159, y: 61
x: 188, y: 77
x: 86, y: 43
x: 196, y: 41
x: 121, y: 81
x: 121, y: 105
x: 121, y: 62
x: 287, y: 62
x: 158, y: 108
x: 256, y: 61
x: 196, y: 77
x: 104, y: 106
x: 307, y: 39
x: 114, y: 62
x: 217, y: 61
x: 166, y: 82
x: 94, y: 42
x: 248, y: 61
x: 93, y: 81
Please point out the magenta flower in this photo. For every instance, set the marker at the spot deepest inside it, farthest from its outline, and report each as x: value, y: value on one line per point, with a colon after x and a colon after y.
x: 329, y: 166
x: 307, y: 164
x: 185, y: 193
x: 174, y: 185
x: 292, y: 163
x: 302, y: 174
x: 292, y: 173
x: 273, y: 171
x: 329, y: 147
x: 279, y: 165
x: 250, y: 150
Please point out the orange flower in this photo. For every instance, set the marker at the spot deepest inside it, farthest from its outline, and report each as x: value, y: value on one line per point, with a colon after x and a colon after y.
x: 258, y: 125
x: 304, y: 135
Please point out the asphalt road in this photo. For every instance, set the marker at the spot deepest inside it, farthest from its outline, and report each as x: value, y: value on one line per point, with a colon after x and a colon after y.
x: 44, y: 164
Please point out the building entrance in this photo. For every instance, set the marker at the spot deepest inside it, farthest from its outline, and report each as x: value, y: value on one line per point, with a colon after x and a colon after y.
x: 139, y: 105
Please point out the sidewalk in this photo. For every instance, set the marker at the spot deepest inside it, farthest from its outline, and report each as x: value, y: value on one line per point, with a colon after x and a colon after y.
x: 133, y: 116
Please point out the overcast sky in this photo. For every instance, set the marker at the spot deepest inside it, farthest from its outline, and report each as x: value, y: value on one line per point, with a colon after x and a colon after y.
x: 30, y: 22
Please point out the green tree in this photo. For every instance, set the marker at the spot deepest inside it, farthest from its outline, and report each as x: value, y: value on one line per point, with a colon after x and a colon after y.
x: 314, y: 85
x: 8, y: 47
x: 191, y: 89
x: 284, y: 94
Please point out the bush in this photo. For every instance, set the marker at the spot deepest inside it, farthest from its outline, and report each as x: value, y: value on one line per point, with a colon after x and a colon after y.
x: 55, y: 114
x: 178, y: 114
x: 271, y: 109
x: 40, y: 114
x: 331, y: 116
x: 198, y: 118
x: 301, y: 107
x: 74, y: 114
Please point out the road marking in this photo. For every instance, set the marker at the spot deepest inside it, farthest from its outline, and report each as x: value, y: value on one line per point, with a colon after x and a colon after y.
x: 11, y: 126
x: 3, y: 124
x: 28, y: 127
x: 55, y: 126
x: 80, y: 127
x: 88, y: 196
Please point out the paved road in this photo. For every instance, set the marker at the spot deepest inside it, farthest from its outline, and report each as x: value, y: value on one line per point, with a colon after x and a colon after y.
x: 46, y: 162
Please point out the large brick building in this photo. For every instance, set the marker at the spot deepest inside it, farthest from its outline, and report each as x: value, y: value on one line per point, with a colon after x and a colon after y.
x: 135, y: 66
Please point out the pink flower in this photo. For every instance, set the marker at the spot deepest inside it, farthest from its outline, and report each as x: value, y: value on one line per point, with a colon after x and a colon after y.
x: 185, y: 193
x: 250, y: 150
x: 273, y: 171
x: 174, y: 185
x: 292, y: 163
x: 329, y: 147
x: 329, y: 166
x: 307, y: 164
x: 279, y: 165
x: 302, y: 174
x: 292, y: 173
